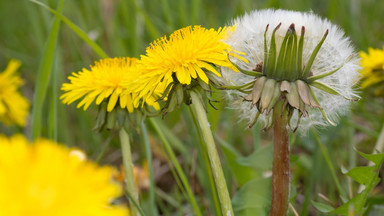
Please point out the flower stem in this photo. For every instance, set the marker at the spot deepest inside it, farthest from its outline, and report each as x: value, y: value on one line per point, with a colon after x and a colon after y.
x: 207, y: 170
x: 280, y: 169
x: 128, y: 168
x: 178, y: 168
x: 148, y: 152
x: 221, y: 185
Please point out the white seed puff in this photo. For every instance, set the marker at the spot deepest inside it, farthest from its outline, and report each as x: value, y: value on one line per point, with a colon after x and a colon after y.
x: 248, y: 38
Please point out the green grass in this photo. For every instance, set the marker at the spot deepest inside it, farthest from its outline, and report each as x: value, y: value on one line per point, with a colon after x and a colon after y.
x: 125, y: 28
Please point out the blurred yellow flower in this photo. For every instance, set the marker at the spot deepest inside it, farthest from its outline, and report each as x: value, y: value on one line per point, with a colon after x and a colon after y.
x: 13, y: 106
x: 47, y: 179
x: 107, y: 79
x: 373, y: 68
x: 181, y: 57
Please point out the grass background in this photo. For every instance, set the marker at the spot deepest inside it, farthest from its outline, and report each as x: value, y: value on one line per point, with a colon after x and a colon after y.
x: 126, y: 27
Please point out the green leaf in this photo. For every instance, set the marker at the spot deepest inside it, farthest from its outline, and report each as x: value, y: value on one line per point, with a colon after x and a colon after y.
x: 76, y: 29
x: 362, y: 175
x: 242, y: 173
x: 261, y: 158
x: 368, y: 176
x: 375, y: 158
x: 355, y: 204
x: 325, y: 208
x: 43, y: 75
x: 255, y: 194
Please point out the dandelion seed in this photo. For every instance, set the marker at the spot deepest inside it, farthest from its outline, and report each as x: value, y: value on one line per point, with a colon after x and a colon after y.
x: 13, y: 106
x: 44, y: 178
x: 292, y: 56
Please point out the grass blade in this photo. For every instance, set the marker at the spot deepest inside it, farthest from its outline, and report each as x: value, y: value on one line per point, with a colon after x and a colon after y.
x: 76, y: 29
x: 43, y: 75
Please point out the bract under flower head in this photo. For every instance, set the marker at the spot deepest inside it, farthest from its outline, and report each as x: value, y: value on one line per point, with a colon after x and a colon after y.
x: 294, y: 56
x: 373, y: 69
x: 13, y: 106
x: 185, y: 58
x: 107, y: 80
x: 45, y: 179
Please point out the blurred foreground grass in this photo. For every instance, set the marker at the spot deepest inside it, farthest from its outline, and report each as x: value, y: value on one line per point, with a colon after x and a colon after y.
x: 126, y: 27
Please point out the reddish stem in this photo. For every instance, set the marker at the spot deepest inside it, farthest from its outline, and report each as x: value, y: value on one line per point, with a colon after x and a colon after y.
x: 280, y: 170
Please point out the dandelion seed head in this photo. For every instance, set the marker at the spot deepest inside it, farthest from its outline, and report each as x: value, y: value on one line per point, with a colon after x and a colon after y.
x: 248, y: 38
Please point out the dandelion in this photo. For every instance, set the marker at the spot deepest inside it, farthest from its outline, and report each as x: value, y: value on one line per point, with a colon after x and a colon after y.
x: 184, y: 64
x: 44, y: 178
x: 13, y: 106
x: 106, y: 81
x: 184, y: 59
x: 299, y: 65
x: 294, y: 55
x: 373, y: 69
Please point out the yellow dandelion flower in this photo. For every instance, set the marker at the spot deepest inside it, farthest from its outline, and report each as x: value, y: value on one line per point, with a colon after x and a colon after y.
x: 182, y: 58
x: 107, y: 79
x: 373, y: 67
x: 47, y: 179
x: 13, y: 106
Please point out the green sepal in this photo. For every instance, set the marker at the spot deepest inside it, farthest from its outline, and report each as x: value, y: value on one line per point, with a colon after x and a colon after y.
x: 308, y: 66
x: 320, y: 108
x: 265, y: 51
x: 293, y: 96
x: 166, y: 92
x: 281, y: 59
x: 111, y: 120
x: 272, y: 54
x: 328, y: 89
x: 320, y: 76
x: 247, y: 72
x: 254, y: 120
x: 300, y: 53
x: 101, y: 117
x: 179, y: 95
x: 267, y: 94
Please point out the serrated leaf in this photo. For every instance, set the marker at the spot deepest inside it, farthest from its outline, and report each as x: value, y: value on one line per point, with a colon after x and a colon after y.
x: 325, y: 208
x: 362, y: 175
x: 375, y: 158
x: 355, y: 204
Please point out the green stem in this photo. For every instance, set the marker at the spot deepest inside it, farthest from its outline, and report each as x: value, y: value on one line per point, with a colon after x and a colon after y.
x: 179, y: 170
x: 329, y: 163
x: 280, y: 168
x: 207, y: 166
x: 128, y: 168
x: 221, y: 185
x: 148, y: 152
